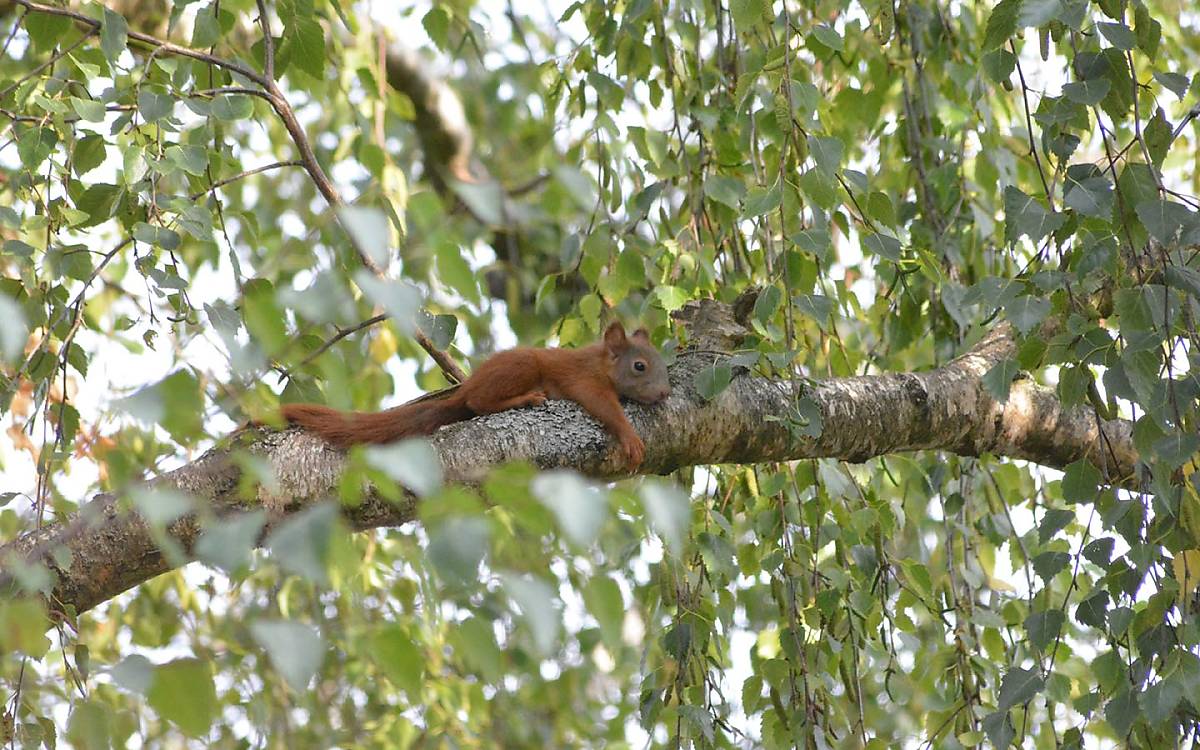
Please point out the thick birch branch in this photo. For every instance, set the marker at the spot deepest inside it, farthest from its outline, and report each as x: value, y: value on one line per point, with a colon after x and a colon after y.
x: 112, y: 549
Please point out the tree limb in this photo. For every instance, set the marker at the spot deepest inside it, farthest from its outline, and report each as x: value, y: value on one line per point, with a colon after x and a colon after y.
x: 112, y: 549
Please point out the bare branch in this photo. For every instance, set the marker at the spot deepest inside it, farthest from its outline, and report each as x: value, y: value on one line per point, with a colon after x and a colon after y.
x: 146, y: 39
x: 268, y: 41
x: 243, y: 175
x: 947, y: 409
x: 341, y: 334
x: 449, y: 367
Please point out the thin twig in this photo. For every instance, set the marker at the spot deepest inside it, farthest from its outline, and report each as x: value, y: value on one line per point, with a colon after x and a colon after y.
x: 53, y: 59
x: 146, y: 39
x: 449, y: 367
x: 268, y: 41
x: 243, y: 175
x: 20, y: 373
x: 274, y: 95
x: 341, y: 334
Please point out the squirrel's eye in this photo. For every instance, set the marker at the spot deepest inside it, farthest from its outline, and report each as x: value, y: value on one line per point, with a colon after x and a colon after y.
x: 639, y: 365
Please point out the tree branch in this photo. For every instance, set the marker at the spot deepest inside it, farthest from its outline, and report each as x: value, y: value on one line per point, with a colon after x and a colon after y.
x: 171, y: 47
x: 273, y: 94
x: 948, y: 409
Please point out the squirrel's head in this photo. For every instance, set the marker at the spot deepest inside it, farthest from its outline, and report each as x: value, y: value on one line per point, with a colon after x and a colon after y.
x: 639, y: 372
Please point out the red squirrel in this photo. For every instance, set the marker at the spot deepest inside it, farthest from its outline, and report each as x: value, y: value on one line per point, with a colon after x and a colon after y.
x: 593, y: 377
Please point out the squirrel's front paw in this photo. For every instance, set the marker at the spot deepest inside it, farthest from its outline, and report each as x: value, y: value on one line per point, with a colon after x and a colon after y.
x: 634, y: 450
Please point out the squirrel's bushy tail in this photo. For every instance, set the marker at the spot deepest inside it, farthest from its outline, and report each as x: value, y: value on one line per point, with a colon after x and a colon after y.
x: 346, y: 428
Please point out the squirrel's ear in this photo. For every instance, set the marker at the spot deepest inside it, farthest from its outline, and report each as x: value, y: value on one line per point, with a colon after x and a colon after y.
x: 614, y: 337
x: 641, y: 335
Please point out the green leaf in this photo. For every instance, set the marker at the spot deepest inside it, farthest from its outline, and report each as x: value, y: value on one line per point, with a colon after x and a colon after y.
x: 454, y: 271
x: 160, y: 505
x: 90, y: 727
x: 176, y: 403
x: 154, y: 103
x: 1093, y: 611
x: 815, y: 306
x: 457, y: 547
x: 999, y: 729
x: 1044, y: 627
x: 437, y: 26
x: 1174, y: 82
x: 1023, y: 215
x: 1118, y: 35
x: 412, y: 462
x: 23, y: 626
x: 1027, y: 312
x: 821, y: 189
x: 767, y: 303
x: 89, y: 153
x: 580, y: 507
x: 815, y: 241
x: 828, y: 36
x: 400, y: 299
x: 439, y: 328
x: 669, y: 511
x: 1018, y: 686
x: 1122, y: 711
x: 1159, y: 135
x: 882, y: 245
x: 746, y: 13
x: 1001, y: 24
x: 1087, y: 92
x: 368, y: 227
x: 15, y: 330
x: 483, y: 199
x: 1038, y: 12
x: 725, y: 190
x: 231, y: 107
x: 113, y: 35
x: 1099, y: 551
x: 670, y: 297
x: 307, y: 40
x: 162, y: 237
x: 89, y: 110
x: 399, y: 658
x: 228, y: 542
x: 1176, y: 449
x: 999, y: 64
x: 1055, y: 520
x: 296, y: 649
x: 1088, y: 191
x: 1081, y: 482
x: 827, y: 153
x: 134, y: 673
x: 183, y: 693
x: 579, y: 186
x: 301, y: 542
x: 34, y: 146
x: 46, y: 30
x: 603, y: 598
x: 711, y: 381
x: 1165, y: 220
x: 998, y: 379
x: 206, y: 32
x: 191, y: 159
x: 538, y: 607
x: 762, y: 200
x: 1049, y: 564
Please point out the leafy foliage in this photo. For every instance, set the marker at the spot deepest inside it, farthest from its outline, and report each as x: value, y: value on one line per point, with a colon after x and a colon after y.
x: 896, y: 177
